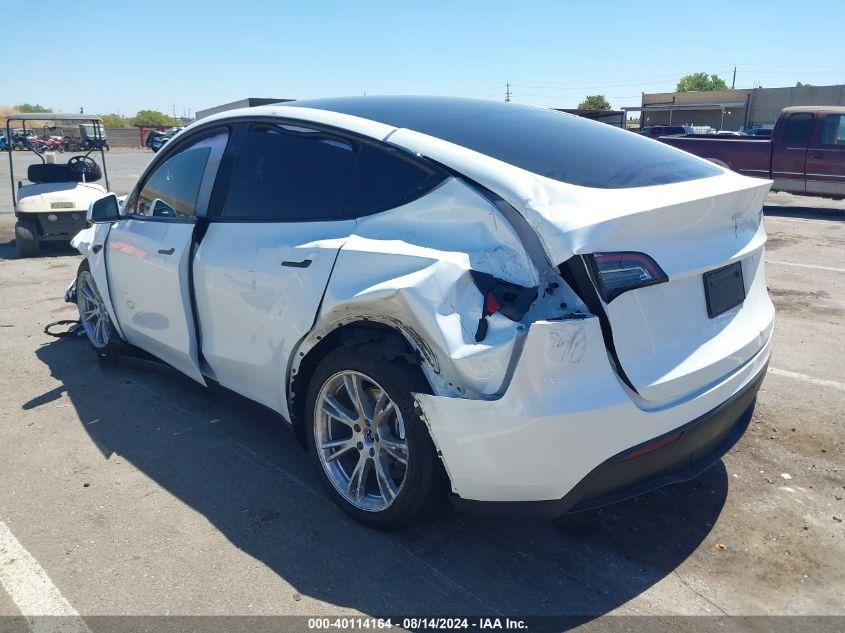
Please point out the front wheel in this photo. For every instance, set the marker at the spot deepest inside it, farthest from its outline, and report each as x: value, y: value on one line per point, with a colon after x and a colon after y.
x: 27, y: 239
x: 375, y: 455
x: 94, y: 317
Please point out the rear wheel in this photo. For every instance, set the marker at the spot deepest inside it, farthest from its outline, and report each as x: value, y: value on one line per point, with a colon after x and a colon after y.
x: 375, y: 455
x: 26, y: 238
x: 94, y: 317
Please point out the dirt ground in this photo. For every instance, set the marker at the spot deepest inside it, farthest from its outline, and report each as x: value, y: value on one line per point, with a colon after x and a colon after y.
x: 139, y: 492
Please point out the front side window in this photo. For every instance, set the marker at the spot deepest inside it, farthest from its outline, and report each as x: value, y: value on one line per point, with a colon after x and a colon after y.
x: 290, y: 173
x: 833, y: 130
x: 797, y: 130
x: 172, y: 189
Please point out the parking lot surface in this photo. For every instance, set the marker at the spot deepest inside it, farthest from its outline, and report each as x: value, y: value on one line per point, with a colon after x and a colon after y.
x: 136, y: 491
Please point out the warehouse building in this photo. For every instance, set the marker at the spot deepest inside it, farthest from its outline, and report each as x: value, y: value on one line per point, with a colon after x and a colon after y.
x: 732, y: 109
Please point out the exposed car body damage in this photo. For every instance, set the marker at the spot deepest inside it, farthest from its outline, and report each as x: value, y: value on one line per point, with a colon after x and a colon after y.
x: 422, y: 285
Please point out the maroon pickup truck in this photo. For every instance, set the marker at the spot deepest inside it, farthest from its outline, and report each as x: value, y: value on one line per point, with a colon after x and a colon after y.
x: 805, y: 155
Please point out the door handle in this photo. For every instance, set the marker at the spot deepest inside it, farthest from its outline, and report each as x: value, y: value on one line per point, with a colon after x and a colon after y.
x: 305, y: 263
x: 816, y: 156
x: 169, y: 251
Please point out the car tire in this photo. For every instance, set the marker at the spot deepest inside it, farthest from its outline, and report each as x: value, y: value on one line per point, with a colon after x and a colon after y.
x: 103, y: 338
x: 422, y: 479
x: 27, y: 239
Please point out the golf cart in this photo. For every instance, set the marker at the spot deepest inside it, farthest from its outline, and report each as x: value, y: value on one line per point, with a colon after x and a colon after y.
x: 93, y: 136
x: 52, y: 206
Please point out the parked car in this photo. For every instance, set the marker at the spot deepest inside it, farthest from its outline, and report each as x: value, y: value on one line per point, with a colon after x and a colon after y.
x: 805, y: 155
x: 653, y: 131
x: 4, y: 146
x: 93, y: 136
x: 156, y: 138
x: 536, y: 312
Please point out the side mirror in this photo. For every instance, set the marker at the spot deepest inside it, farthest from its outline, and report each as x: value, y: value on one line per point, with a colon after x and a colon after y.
x: 104, y: 210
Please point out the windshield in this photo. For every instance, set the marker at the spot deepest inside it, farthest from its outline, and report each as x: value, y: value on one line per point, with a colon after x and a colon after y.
x: 564, y: 147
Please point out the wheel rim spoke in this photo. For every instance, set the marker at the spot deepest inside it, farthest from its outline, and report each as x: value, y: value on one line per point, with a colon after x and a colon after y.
x: 343, y: 446
x: 384, y: 413
x: 360, y: 400
x: 332, y: 407
x: 395, y: 451
x: 358, y: 478
x: 385, y: 484
x: 88, y: 294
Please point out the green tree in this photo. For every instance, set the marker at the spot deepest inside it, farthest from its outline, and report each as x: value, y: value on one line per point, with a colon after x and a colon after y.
x: 153, y: 118
x: 701, y: 81
x: 32, y: 107
x: 594, y: 102
x: 113, y: 120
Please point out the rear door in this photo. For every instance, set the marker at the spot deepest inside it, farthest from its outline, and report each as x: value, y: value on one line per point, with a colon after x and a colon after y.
x: 148, y: 254
x: 789, y: 156
x: 826, y: 157
x: 264, y: 262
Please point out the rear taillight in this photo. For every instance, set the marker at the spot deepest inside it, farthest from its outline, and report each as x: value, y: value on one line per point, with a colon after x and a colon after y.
x: 501, y: 297
x: 615, y: 273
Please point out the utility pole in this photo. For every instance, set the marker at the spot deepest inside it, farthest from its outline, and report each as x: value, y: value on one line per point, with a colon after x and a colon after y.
x: 733, y: 82
x: 507, y: 92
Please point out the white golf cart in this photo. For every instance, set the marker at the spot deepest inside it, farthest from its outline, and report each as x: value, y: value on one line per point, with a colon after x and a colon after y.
x: 52, y: 206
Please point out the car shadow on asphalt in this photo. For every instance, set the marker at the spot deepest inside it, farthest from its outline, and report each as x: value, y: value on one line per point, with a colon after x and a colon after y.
x: 236, y: 464
x: 832, y: 214
x: 8, y: 250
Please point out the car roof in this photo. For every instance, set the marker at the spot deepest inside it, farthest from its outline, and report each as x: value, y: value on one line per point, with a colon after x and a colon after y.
x: 52, y: 116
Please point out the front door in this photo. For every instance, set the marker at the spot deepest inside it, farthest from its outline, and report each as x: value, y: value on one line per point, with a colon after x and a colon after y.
x: 789, y: 155
x: 149, y: 253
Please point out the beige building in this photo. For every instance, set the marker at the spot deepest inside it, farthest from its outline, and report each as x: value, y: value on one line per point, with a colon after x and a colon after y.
x: 732, y: 109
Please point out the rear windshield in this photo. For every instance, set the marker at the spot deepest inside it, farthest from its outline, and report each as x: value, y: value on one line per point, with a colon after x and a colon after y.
x: 564, y: 147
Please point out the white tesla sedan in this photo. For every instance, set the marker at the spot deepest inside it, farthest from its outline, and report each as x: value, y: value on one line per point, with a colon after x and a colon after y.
x: 533, y: 311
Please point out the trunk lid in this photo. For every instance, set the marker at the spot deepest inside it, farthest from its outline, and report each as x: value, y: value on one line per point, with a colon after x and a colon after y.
x: 665, y: 341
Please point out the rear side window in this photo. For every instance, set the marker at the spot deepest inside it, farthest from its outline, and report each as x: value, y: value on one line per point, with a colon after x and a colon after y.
x: 833, y: 130
x: 290, y: 173
x: 384, y: 179
x: 797, y: 130
x: 171, y: 190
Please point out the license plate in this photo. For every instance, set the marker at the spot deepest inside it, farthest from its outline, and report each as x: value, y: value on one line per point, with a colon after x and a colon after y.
x: 61, y: 205
x: 724, y: 289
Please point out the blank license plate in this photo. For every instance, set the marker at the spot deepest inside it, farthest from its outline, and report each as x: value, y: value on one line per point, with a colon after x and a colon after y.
x: 724, y: 289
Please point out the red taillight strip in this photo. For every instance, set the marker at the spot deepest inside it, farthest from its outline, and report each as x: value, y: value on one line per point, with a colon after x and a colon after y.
x: 652, y: 446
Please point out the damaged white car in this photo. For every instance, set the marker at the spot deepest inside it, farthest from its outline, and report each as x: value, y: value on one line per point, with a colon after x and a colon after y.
x: 533, y: 312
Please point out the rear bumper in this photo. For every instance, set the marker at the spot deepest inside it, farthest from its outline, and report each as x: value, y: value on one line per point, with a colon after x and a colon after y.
x: 567, y: 433
x: 674, y: 457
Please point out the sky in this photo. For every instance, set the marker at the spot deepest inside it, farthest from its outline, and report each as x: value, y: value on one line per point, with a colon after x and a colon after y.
x: 181, y: 56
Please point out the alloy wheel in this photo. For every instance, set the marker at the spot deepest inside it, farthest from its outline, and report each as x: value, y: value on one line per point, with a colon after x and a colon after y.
x: 360, y: 440
x: 92, y: 311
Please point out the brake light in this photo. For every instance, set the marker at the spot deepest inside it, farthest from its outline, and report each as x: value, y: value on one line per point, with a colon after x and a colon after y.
x: 615, y: 273
x: 502, y: 297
